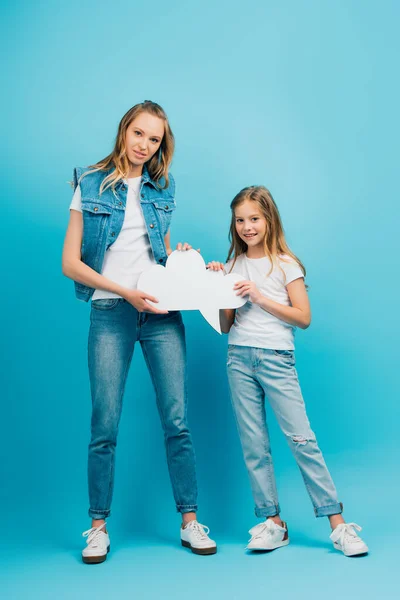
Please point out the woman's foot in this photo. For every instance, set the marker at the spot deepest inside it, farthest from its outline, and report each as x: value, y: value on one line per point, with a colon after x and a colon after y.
x: 195, y: 536
x: 268, y: 536
x: 98, y: 545
x: 345, y: 539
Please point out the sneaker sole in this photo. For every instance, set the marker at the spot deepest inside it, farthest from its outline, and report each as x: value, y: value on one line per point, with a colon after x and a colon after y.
x: 95, y: 560
x: 282, y: 543
x: 362, y: 553
x: 202, y: 551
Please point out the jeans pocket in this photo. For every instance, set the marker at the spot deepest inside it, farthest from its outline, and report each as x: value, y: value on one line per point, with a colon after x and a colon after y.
x: 286, y: 355
x: 105, y: 303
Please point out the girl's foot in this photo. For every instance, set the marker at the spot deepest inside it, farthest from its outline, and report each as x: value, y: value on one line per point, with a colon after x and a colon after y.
x: 195, y: 536
x: 98, y: 545
x: 268, y: 536
x: 345, y: 538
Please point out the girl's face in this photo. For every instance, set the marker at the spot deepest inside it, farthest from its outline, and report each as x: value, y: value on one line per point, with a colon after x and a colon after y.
x: 143, y: 138
x: 251, y: 225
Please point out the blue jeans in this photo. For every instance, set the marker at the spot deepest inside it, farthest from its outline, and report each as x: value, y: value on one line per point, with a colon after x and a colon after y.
x: 115, y: 327
x: 255, y: 374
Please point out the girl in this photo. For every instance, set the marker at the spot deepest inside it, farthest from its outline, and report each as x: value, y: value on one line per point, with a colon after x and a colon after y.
x: 119, y: 226
x: 261, y: 364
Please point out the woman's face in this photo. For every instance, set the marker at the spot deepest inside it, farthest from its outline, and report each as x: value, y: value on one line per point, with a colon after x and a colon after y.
x: 143, y: 138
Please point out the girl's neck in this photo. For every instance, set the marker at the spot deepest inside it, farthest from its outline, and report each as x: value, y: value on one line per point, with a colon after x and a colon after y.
x: 255, y: 253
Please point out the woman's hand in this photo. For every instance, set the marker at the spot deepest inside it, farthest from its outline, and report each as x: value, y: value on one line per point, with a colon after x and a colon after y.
x: 139, y: 299
x: 249, y: 288
x: 185, y: 246
x: 215, y: 266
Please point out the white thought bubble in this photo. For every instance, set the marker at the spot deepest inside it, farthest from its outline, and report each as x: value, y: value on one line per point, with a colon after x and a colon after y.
x: 185, y: 284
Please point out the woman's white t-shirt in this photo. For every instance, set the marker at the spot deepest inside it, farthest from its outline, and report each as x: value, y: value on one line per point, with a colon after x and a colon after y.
x: 131, y: 253
x: 254, y: 326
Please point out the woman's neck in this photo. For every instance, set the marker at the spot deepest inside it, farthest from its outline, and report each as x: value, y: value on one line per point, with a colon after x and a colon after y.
x: 135, y: 171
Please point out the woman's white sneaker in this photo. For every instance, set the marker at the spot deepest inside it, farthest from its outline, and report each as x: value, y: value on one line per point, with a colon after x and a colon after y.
x: 268, y: 536
x: 195, y: 536
x: 345, y: 539
x: 98, y: 544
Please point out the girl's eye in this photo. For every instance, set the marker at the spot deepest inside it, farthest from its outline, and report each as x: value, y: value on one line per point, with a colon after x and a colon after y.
x: 255, y: 218
x: 239, y: 220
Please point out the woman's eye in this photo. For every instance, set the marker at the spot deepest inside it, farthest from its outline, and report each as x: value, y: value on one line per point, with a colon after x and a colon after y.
x: 138, y: 133
x: 154, y: 141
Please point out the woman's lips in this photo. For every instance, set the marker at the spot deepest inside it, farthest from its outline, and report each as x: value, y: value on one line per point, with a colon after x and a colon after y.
x: 139, y: 154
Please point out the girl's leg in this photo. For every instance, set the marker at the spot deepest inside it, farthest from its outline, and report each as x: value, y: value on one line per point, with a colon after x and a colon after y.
x: 111, y: 341
x: 162, y: 338
x: 249, y: 408
x: 277, y: 375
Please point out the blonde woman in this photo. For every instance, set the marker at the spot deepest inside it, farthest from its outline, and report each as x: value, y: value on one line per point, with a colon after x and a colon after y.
x: 261, y: 365
x: 119, y: 226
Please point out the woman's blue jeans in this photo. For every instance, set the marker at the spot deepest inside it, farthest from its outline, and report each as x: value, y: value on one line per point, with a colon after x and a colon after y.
x: 115, y: 328
x: 257, y: 374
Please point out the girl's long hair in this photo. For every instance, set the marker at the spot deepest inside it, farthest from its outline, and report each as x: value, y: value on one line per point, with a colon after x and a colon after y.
x: 118, y: 161
x: 275, y: 244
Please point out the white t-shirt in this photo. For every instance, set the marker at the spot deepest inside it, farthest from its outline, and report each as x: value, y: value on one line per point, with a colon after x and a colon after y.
x: 254, y: 326
x: 131, y: 253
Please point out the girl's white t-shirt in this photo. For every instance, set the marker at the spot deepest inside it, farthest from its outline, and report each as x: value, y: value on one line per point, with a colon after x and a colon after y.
x: 131, y: 253
x: 254, y: 326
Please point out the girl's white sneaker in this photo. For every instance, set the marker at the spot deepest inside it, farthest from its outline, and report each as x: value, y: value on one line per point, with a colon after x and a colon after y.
x: 195, y: 536
x: 98, y: 545
x: 345, y: 539
x: 268, y: 536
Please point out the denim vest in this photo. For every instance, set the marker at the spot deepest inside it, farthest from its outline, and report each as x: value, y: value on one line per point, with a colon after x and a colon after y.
x: 103, y: 216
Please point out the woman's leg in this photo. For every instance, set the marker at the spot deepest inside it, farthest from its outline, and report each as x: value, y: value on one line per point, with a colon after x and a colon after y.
x: 112, y: 338
x: 162, y: 338
x: 249, y: 408
x: 277, y: 374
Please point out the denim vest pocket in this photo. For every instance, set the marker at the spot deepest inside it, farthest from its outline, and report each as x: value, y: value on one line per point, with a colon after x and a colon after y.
x: 95, y: 218
x: 164, y: 210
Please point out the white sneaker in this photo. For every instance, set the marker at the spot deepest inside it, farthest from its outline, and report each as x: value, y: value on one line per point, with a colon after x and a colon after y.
x: 98, y: 544
x: 268, y: 536
x: 345, y: 538
x: 195, y: 536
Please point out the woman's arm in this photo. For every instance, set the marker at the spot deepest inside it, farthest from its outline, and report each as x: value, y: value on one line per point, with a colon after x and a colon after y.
x: 298, y: 314
x: 74, y: 268
x: 167, y: 241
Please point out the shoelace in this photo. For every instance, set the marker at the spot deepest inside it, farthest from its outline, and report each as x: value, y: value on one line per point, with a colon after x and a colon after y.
x: 346, y: 529
x: 200, y: 531
x: 92, y: 535
x: 259, y: 529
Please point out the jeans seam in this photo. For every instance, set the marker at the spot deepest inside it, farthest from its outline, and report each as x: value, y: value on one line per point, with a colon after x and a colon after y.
x: 145, y: 354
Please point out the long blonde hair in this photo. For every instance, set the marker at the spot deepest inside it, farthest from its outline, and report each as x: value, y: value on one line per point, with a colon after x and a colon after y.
x: 118, y: 161
x: 275, y: 244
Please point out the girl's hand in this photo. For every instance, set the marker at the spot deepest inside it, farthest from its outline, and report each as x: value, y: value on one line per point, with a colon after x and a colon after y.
x: 185, y: 246
x: 215, y: 266
x: 139, y: 299
x: 249, y: 288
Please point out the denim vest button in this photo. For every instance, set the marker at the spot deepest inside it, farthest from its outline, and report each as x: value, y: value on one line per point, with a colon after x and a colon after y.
x: 95, y: 209
x: 151, y: 226
x: 113, y: 234
x: 166, y: 208
x: 120, y: 204
x: 142, y: 195
x: 161, y: 260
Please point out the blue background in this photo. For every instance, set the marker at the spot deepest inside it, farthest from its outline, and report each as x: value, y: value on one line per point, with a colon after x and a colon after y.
x: 300, y: 96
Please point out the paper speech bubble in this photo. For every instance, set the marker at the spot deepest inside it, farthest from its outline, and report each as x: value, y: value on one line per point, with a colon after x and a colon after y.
x: 185, y: 284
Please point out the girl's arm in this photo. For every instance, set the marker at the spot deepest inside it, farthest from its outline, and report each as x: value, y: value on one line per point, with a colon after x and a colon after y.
x: 226, y: 319
x: 298, y: 314
x: 226, y: 315
x: 74, y: 268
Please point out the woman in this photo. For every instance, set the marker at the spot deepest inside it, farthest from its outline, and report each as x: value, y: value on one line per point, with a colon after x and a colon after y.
x: 119, y: 227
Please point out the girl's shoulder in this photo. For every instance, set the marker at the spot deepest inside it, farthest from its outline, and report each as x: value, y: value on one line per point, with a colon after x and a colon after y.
x: 233, y: 265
